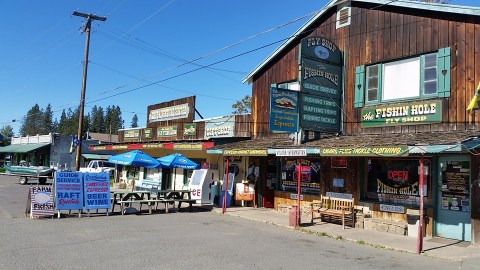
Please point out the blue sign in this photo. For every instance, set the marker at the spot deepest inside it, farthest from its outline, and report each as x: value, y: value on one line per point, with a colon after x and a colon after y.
x: 68, y: 191
x: 97, y: 190
x: 283, y: 110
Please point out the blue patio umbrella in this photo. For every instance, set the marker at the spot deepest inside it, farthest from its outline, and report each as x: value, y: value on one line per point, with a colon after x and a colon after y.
x: 178, y: 161
x: 134, y: 158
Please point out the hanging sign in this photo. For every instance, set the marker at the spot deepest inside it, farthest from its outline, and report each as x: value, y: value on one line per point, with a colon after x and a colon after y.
x: 68, y: 191
x: 320, y: 49
x: 97, y: 191
x: 283, y: 110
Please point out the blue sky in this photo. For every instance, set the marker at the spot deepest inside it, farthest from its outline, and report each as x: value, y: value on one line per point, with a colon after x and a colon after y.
x: 141, y: 42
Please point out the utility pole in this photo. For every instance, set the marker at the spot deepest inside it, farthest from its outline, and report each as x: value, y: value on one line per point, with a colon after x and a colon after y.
x: 86, y: 29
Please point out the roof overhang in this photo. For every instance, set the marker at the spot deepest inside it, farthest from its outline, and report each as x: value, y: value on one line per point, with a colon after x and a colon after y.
x: 434, y: 7
x: 22, y: 148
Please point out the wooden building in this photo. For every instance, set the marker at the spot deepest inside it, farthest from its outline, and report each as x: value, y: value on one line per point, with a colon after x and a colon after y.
x: 380, y: 86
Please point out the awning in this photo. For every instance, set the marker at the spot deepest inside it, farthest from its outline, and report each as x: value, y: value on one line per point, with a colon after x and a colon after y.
x: 435, y: 149
x: 22, y: 148
x: 95, y: 156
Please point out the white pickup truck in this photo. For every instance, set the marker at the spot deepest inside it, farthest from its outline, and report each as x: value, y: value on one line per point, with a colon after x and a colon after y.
x: 99, y: 166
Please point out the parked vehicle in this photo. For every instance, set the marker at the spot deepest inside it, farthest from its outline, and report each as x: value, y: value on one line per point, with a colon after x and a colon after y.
x: 99, y: 166
x: 25, y: 172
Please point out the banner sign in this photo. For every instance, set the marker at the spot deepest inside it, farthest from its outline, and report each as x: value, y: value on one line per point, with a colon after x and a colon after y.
x: 97, y: 191
x: 220, y: 127
x: 415, y: 113
x: 131, y: 134
x: 188, y: 146
x: 283, y: 110
x: 321, y: 49
x: 169, y: 113
x: 319, y: 113
x: 41, y: 201
x: 190, y: 129
x: 68, y: 191
x: 245, y: 152
x: 401, y: 150
x: 290, y: 152
x: 170, y: 131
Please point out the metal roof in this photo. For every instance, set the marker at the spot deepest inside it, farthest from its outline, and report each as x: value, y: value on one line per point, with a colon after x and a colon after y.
x: 22, y: 148
x: 455, y: 9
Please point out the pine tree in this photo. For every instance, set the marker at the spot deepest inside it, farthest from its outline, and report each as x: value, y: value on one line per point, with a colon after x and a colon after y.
x: 32, y: 121
x: 62, y: 126
x: 46, y: 126
x: 134, y: 123
x: 243, y: 106
x: 97, y: 122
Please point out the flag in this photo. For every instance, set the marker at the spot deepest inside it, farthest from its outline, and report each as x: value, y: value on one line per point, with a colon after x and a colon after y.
x: 473, y: 106
x: 73, y: 145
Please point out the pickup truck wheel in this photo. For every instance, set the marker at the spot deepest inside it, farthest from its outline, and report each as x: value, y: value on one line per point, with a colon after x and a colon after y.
x: 42, y: 181
x: 23, y: 180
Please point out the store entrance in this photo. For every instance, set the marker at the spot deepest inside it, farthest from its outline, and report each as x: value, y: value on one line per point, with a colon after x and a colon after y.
x: 454, y: 204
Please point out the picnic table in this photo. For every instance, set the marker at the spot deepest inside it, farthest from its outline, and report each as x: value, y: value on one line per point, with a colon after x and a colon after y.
x: 151, y: 198
x: 176, y: 196
x: 125, y: 196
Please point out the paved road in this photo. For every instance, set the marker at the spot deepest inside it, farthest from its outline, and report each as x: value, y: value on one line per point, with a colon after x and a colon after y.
x: 181, y: 240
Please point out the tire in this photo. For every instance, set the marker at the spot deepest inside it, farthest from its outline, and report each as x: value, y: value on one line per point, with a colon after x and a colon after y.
x: 42, y: 181
x: 23, y: 180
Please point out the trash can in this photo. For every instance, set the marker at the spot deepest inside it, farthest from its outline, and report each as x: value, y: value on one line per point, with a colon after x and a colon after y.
x: 214, y: 197
x: 413, y: 223
x: 292, y: 216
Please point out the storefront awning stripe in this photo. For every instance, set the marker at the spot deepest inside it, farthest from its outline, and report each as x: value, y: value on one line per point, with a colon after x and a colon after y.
x: 435, y: 149
x: 95, y: 156
x: 22, y: 148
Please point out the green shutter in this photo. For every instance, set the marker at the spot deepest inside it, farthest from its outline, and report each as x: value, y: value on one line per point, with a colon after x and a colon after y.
x: 359, y: 86
x: 443, y: 72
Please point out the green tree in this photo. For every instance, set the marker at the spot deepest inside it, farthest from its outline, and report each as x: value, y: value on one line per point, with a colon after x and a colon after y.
x: 7, y: 133
x: 31, y: 123
x: 243, y: 106
x: 62, y: 126
x: 46, y: 125
x: 97, y: 120
x: 113, y: 120
x: 134, y: 123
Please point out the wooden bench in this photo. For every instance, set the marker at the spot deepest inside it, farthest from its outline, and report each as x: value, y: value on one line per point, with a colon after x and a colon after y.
x: 189, y: 201
x: 337, y: 207
x: 149, y: 203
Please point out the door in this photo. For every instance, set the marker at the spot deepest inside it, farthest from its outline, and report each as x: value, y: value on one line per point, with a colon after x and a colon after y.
x: 270, y: 183
x: 454, y: 205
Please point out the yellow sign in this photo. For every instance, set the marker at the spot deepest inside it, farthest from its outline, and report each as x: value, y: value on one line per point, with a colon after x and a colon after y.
x: 373, y: 151
x: 245, y: 152
x: 187, y: 146
x: 153, y: 145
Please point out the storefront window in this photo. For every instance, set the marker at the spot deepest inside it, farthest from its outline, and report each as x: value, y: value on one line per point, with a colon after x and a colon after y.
x: 396, y: 180
x: 310, y: 175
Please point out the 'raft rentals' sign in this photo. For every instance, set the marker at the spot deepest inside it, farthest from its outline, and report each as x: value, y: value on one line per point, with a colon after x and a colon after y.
x: 68, y: 191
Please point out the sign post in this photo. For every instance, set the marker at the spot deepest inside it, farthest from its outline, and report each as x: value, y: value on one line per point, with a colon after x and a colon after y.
x: 420, y: 226
x: 224, y: 201
x: 299, y: 219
